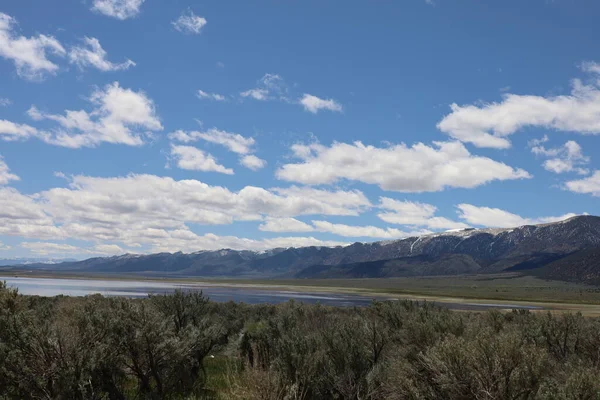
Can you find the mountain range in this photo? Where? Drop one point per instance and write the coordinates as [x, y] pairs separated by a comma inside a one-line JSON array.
[[567, 250]]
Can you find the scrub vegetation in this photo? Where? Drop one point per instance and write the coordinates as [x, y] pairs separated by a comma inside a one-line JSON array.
[[182, 346]]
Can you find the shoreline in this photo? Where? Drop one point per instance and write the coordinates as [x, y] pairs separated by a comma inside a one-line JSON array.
[[536, 305]]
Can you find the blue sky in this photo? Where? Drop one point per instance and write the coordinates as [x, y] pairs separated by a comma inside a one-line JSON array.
[[144, 125]]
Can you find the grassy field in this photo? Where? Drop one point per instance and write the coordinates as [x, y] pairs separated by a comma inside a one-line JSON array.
[[508, 287]]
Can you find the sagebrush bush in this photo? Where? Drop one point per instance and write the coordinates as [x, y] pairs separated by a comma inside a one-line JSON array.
[[157, 348]]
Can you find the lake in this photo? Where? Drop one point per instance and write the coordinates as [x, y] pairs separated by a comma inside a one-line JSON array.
[[221, 293], [129, 288]]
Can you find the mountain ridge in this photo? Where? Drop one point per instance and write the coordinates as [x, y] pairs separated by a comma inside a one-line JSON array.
[[525, 249]]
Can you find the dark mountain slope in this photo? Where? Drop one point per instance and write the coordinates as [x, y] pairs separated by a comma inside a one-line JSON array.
[[451, 264], [580, 266], [525, 248]]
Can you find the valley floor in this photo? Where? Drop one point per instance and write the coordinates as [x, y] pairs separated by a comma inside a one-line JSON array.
[[512, 290]]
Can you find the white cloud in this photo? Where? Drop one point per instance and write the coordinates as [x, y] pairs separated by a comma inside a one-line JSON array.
[[498, 218], [5, 174], [252, 162], [537, 142], [120, 116], [415, 214], [211, 96], [5, 102], [270, 87], [419, 168], [28, 54], [273, 82], [274, 87], [23, 216], [294, 225], [120, 9], [489, 125], [567, 158], [154, 212], [256, 94], [189, 23], [591, 66], [192, 158], [589, 185], [4, 247], [232, 141], [284, 225], [108, 249], [358, 231], [50, 248], [10, 131], [91, 54], [179, 241], [339, 202], [314, 104], [192, 242], [45, 248], [166, 203]]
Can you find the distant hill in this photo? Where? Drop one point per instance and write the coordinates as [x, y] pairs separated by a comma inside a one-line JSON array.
[[566, 250]]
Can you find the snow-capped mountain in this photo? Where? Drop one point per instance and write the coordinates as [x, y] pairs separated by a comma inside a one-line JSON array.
[[541, 249]]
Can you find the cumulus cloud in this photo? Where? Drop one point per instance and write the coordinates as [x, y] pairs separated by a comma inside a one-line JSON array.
[[5, 174], [567, 158], [591, 66], [339, 202], [10, 131], [210, 96], [490, 124], [415, 214], [5, 102], [51, 248], [29, 54], [232, 141], [155, 212], [589, 185], [294, 225], [192, 158], [252, 162], [91, 54], [46, 248], [152, 213], [119, 9], [119, 116], [284, 225], [23, 216], [359, 231], [315, 104], [189, 23], [420, 168], [498, 218]]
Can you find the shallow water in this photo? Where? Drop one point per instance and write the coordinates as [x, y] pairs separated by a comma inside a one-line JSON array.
[[251, 295], [128, 288]]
